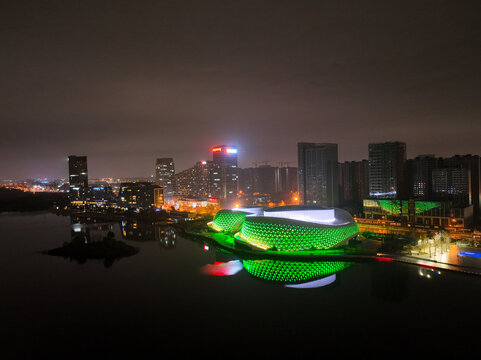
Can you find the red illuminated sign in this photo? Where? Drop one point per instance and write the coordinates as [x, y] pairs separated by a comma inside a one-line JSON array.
[[216, 149]]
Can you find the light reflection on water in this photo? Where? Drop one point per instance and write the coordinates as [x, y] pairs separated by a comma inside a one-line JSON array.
[[301, 275], [147, 302]]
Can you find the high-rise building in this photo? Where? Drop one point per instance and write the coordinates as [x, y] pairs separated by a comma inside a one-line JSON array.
[[386, 170], [318, 174], [354, 182], [473, 164], [203, 172], [225, 172], [195, 182], [164, 176], [184, 183], [267, 179], [419, 176], [77, 176], [453, 184]]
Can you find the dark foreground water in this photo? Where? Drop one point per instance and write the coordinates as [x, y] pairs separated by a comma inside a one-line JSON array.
[[164, 301]]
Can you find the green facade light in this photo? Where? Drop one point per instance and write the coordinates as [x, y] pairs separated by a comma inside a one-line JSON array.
[[423, 206], [394, 207], [292, 271], [290, 235], [228, 221], [289, 228]]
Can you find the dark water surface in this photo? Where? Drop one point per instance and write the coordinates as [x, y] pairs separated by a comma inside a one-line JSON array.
[[159, 302]]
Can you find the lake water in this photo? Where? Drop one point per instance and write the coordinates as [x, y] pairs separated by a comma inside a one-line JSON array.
[[167, 300]]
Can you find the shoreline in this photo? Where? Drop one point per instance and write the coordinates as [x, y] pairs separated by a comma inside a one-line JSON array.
[[339, 254]]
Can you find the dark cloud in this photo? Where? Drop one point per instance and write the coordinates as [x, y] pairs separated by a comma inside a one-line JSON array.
[[125, 82]]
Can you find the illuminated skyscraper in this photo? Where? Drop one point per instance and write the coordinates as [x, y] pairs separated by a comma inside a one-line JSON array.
[[77, 175], [386, 170], [225, 172], [195, 182], [164, 176], [318, 174]]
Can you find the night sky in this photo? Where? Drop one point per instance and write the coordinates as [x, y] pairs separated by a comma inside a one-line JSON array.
[[125, 82]]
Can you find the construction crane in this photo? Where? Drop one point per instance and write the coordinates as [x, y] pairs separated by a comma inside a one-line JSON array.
[[264, 162]]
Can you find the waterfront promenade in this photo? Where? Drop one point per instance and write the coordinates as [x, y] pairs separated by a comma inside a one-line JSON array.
[[452, 260]]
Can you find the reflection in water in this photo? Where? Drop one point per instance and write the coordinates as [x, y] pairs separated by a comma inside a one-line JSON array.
[[293, 274], [296, 272], [223, 268], [314, 284], [89, 231], [93, 241], [428, 272], [165, 236]]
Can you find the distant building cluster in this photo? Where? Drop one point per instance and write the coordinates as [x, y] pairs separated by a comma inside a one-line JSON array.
[[136, 195], [425, 191], [222, 180]]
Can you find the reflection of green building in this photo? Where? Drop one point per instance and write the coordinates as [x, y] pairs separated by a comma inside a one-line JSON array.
[[425, 213], [291, 271]]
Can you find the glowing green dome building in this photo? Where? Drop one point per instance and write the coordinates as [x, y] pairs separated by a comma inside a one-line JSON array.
[[288, 228]]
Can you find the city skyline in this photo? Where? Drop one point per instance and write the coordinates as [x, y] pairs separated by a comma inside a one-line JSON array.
[[279, 178], [125, 85], [208, 157]]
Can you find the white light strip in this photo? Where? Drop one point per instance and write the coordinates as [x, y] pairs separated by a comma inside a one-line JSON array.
[[315, 216], [251, 211]]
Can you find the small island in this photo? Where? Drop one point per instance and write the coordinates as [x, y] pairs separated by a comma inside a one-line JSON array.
[[109, 249]]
